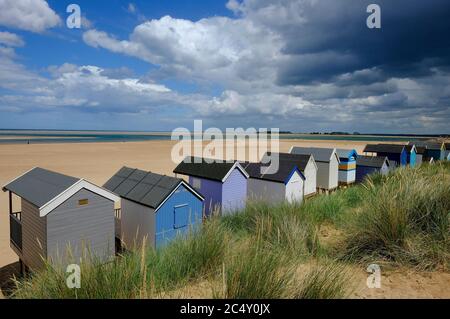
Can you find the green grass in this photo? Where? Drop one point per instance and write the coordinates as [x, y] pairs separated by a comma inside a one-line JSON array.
[[326, 281], [402, 219], [405, 218]]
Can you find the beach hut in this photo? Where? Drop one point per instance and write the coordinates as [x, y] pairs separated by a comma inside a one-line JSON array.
[[286, 184], [154, 208], [304, 162], [411, 154], [347, 166], [60, 220], [435, 150], [447, 151], [223, 184], [420, 152], [327, 162], [366, 165], [396, 153]]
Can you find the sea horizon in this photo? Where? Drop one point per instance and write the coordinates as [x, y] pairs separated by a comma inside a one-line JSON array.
[[45, 136]]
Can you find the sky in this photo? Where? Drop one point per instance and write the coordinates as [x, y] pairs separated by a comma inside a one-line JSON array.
[[154, 65]]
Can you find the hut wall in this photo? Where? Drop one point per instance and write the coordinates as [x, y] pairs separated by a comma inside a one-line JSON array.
[[310, 178], [294, 188], [34, 236], [181, 213], [83, 228], [234, 192], [267, 191], [137, 224], [212, 192]]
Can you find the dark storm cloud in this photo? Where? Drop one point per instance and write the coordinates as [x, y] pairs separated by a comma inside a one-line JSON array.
[[335, 40]]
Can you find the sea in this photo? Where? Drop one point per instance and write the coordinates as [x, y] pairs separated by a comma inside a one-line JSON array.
[[52, 136]]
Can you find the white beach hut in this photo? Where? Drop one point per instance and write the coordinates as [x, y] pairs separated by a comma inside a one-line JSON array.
[[327, 162]]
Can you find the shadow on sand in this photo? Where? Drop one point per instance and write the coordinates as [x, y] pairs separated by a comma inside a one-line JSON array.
[[7, 273]]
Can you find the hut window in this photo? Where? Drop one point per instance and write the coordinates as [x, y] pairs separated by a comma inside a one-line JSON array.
[[196, 183], [83, 202]]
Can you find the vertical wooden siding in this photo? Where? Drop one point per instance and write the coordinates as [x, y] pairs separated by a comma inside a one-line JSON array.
[[234, 192], [166, 227], [34, 236], [81, 228]]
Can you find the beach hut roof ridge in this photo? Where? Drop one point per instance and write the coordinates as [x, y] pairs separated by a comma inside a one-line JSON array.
[[384, 148], [346, 153], [282, 175], [146, 188], [38, 186], [371, 161], [47, 190], [320, 154], [208, 168]]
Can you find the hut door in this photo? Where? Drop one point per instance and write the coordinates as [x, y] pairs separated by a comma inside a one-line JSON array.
[[180, 216]]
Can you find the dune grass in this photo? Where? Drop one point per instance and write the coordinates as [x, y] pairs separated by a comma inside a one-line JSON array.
[[402, 218], [324, 281]]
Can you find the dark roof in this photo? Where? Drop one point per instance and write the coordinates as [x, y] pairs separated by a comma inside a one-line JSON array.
[[203, 168], [39, 186], [409, 147], [320, 154], [299, 160], [447, 146], [420, 147], [371, 161], [434, 146], [146, 188], [284, 172], [384, 148], [429, 145]]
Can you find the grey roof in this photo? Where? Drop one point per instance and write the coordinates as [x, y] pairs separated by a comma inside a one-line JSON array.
[[300, 160], [428, 145], [285, 170], [320, 154], [346, 153], [39, 186], [371, 161], [203, 168], [146, 188], [384, 148]]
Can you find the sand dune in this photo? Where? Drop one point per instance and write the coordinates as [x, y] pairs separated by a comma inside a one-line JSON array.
[[96, 162]]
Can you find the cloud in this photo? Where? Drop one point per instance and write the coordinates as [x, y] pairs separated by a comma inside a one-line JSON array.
[[29, 15], [304, 65], [11, 39], [131, 8]]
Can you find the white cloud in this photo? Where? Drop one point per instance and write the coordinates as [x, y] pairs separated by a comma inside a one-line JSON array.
[[281, 62], [11, 39], [30, 15], [218, 49], [131, 8]]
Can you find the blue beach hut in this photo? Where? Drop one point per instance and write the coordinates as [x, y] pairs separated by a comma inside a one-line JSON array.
[[154, 208]]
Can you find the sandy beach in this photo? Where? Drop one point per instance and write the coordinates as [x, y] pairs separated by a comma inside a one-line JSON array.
[[97, 162]]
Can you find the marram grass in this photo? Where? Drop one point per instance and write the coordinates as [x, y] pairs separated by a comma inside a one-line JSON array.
[[402, 218]]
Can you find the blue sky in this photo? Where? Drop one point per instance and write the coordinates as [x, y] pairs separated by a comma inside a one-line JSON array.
[[298, 65]]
